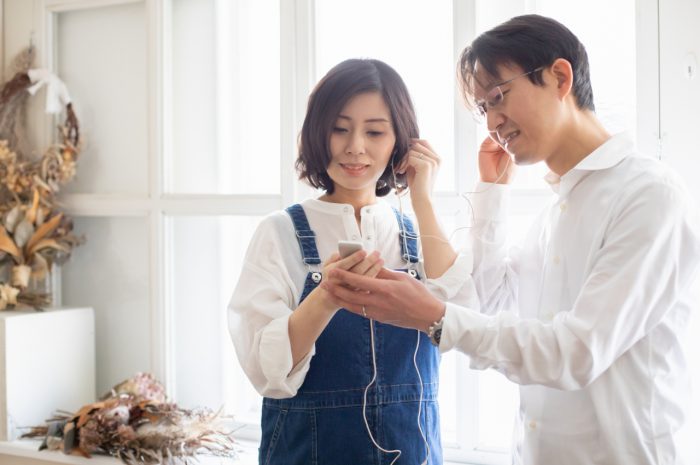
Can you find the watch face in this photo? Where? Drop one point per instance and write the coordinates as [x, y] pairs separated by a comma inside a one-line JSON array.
[[437, 335]]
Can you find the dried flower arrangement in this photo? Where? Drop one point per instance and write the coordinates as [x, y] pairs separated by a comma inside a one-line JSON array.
[[34, 234], [136, 424]]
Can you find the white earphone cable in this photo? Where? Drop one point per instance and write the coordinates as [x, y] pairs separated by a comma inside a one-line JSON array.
[[364, 400]]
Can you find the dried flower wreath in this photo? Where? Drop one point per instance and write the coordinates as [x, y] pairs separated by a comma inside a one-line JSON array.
[[34, 234]]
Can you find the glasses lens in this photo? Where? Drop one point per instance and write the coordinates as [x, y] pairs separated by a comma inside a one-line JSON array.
[[494, 97]]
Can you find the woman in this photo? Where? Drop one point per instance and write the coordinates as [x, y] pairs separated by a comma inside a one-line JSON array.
[[338, 387]]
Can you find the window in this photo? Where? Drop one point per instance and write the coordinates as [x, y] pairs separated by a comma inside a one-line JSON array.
[[222, 142], [224, 92], [238, 95]]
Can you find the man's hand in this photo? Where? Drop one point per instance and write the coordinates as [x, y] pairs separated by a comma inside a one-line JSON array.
[[391, 297], [495, 164]]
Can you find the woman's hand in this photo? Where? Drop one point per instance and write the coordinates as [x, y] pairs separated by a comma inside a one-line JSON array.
[[421, 166], [359, 263], [310, 318], [495, 164]]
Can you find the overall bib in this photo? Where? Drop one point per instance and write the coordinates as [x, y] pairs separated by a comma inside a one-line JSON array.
[[323, 423]]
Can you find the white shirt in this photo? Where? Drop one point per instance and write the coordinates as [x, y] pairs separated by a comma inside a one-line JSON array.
[[602, 290], [272, 281]]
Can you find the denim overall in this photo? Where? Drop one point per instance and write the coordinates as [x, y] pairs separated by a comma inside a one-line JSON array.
[[323, 423]]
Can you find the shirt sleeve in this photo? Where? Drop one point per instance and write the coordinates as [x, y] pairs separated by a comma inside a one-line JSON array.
[[495, 264], [645, 265], [259, 311], [456, 284]]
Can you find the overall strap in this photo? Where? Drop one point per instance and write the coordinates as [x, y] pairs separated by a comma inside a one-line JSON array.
[[305, 236], [408, 239]]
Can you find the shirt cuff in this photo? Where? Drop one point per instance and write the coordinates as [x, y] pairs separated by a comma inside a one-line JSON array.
[[490, 201], [276, 359], [453, 279], [462, 329]]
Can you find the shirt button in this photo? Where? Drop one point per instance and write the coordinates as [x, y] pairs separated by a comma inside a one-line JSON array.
[[369, 238], [532, 425], [369, 210], [346, 209], [556, 259], [562, 206]]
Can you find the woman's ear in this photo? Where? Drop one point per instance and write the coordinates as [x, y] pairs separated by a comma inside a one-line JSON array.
[[564, 75]]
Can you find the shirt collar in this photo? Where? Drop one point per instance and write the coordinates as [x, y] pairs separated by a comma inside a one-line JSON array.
[[340, 208], [609, 154]]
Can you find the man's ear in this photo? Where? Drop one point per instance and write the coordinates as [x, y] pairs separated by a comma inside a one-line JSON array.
[[564, 75]]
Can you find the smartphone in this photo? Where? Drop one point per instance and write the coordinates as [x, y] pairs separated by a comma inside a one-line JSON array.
[[347, 248]]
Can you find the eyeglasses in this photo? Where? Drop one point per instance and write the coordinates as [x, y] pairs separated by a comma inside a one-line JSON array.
[[494, 97]]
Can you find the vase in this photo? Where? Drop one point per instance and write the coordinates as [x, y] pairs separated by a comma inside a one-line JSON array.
[[41, 286], [20, 275], [36, 289]]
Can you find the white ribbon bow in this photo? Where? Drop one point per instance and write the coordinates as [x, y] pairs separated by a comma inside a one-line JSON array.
[[56, 91]]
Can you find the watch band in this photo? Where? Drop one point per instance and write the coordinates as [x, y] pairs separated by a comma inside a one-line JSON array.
[[435, 331]]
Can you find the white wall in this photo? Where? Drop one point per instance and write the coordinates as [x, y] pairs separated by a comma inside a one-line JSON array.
[[680, 92], [100, 48], [679, 44]]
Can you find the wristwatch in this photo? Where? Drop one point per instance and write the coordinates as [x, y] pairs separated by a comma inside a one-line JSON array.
[[435, 332]]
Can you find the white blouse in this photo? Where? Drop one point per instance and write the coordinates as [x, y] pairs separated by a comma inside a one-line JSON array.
[[272, 280]]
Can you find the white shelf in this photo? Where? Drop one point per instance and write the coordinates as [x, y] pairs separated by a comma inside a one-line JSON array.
[[29, 449]]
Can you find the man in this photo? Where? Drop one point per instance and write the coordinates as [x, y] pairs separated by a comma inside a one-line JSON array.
[[600, 290]]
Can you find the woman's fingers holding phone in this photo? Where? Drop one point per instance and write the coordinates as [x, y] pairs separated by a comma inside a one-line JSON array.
[[374, 270], [344, 263], [369, 266]]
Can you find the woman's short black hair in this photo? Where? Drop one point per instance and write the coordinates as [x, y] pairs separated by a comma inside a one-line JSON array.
[[529, 41], [344, 81]]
